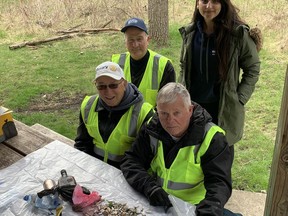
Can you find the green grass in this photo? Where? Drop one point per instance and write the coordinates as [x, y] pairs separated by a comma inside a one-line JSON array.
[[46, 84], [63, 68], [254, 153]]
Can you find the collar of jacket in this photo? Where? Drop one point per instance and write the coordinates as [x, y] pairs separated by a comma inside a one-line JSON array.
[[185, 30]]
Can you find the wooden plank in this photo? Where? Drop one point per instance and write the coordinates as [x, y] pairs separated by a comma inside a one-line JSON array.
[[27, 140], [8, 156], [54, 135], [277, 196]]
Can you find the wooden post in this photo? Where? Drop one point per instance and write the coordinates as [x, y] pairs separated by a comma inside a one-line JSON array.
[[277, 196]]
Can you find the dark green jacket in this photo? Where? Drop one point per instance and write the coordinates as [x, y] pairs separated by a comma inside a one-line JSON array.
[[239, 85]]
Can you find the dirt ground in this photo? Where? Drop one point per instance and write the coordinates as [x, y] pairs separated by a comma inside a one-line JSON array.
[[55, 101]]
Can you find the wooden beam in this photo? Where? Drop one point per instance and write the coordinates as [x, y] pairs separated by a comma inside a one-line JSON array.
[[52, 134], [277, 195], [8, 156]]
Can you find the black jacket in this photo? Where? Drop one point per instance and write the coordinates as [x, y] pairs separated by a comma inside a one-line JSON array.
[[216, 163]]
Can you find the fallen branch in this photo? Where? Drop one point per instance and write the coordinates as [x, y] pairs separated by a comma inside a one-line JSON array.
[[107, 23], [34, 43], [91, 31], [67, 35], [74, 27]]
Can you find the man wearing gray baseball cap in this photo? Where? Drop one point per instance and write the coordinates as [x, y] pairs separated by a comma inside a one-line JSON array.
[[146, 69]]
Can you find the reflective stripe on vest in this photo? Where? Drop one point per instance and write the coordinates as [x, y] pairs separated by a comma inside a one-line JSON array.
[[176, 185], [133, 122], [112, 157], [88, 107], [122, 60]]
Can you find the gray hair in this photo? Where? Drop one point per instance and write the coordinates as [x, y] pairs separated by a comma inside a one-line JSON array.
[[170, 92]]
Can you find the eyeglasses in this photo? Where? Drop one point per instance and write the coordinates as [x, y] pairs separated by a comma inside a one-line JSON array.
[[211, 1], [110, 86]]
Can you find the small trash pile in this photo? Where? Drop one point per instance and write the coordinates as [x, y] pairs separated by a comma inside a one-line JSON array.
[[50, 200], [109, 208]]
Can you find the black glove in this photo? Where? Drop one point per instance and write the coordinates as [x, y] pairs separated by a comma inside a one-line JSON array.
[[208, 207], [66, 192], [159, 197]]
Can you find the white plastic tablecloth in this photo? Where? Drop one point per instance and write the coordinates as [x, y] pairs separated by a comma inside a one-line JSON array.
[[27, 175]]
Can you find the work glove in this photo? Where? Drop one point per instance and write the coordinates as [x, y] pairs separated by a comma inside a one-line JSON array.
[[66, 192], [208, 207], [159, 197]]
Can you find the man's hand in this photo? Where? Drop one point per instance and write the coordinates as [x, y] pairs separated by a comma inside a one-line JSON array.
[[159, 197]]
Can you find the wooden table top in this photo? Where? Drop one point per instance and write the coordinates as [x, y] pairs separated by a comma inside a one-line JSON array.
[[27, 141]]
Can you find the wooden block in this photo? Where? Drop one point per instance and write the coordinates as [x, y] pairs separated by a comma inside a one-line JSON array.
[[50, 133], [28, 139], [8, 156]]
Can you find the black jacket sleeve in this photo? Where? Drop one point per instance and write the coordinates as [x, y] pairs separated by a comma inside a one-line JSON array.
[[169, 75], [83, 141], [136, 162], [216, 166]]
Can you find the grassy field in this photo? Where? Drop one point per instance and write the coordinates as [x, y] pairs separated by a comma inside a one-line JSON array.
[[46, 84]]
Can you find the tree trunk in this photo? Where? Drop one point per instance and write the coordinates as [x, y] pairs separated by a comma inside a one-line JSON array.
[[158, 21]]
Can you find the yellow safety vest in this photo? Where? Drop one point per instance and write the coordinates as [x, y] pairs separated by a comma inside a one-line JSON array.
[[123, 134], [185, 178], [152, 77]]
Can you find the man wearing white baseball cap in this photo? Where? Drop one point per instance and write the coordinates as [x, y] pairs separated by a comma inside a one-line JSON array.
[[146, 69], [110, 121]]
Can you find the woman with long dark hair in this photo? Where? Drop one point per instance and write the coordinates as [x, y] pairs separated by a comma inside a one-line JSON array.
[[220, 64]]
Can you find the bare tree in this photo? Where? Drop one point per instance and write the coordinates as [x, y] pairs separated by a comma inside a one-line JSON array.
[[158, 20]]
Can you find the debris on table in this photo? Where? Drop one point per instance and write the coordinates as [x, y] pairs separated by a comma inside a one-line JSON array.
[[111, 208]]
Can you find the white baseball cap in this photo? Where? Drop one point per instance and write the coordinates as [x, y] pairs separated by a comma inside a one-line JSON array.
[[109, 69]]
